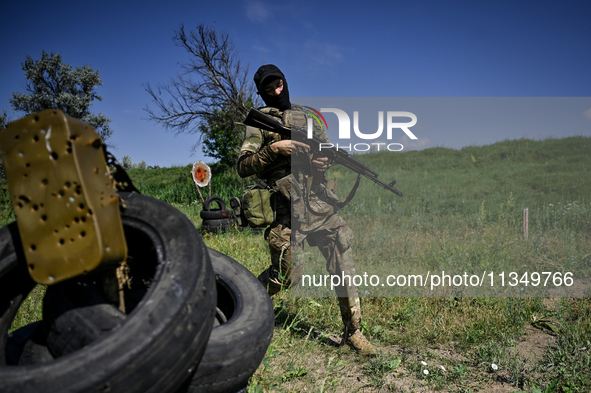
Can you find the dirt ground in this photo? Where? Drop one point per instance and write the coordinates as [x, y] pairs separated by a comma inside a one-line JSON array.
[[352, 377]]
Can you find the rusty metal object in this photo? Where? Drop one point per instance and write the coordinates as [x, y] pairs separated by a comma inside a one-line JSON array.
[[64, 198]]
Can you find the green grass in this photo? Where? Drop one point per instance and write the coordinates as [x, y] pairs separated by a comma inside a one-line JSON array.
[[31, 309], [175, 185], [462, 209]]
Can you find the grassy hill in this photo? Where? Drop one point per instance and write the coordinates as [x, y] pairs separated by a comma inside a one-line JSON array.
[[462, 210]]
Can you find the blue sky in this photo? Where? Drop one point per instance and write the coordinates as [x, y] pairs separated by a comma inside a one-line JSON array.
[[326, 49]]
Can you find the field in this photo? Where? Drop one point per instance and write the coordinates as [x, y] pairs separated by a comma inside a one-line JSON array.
[[462, 211]]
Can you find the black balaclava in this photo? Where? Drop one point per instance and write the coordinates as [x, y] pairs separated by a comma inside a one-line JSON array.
[[265, 75]]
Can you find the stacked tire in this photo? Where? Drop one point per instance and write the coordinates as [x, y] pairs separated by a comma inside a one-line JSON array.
[[242, 330], [216, 220], [195, 319]]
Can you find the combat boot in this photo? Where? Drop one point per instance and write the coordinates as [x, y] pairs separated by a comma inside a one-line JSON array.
[[358, 341]]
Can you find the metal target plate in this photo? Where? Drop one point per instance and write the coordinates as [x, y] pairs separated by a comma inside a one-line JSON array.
[[64, 199]]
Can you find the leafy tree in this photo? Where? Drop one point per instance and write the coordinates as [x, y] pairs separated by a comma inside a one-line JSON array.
[[3, 119], [215, 102], [222, 138], [126, 162], [52, 84]]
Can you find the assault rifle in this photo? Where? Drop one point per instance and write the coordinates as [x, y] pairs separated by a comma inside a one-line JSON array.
[[260, 120]]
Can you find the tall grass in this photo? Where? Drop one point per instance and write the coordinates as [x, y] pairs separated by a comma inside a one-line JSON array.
[[463, 212], [175, 185]]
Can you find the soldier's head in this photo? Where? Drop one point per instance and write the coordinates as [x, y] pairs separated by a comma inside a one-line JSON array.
[[272, 87]]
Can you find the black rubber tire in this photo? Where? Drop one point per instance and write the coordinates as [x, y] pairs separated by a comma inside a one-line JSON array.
[[237, 347], [214, 198], [27, 345], [217, 226], [74, 316], [216, 214], [161, 341]]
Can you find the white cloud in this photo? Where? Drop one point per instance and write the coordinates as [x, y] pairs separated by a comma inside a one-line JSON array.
[[260, 48], [257, 12], [323, 53], [587, 113], [414, 144]]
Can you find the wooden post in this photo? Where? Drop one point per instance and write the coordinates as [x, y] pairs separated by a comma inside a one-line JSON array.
[[525, 223], [199, 191]]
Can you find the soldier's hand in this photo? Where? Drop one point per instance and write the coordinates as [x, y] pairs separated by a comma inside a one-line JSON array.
[[320, 162], [286, 146]]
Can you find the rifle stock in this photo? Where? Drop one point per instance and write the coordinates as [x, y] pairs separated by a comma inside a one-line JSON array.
[[260, 120]]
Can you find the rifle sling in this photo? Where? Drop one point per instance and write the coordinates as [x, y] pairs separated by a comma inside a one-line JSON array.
[[337, 205]]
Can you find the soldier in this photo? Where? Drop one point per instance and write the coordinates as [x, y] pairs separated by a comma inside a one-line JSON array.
[[265, 154]]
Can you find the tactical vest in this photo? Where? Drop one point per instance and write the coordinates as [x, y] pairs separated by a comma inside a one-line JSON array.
[[294, 117]]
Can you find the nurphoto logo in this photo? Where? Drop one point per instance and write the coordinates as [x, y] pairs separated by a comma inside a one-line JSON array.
[[392, 123]]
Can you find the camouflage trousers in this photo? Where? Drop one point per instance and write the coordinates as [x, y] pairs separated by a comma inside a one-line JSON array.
[[333, 237]]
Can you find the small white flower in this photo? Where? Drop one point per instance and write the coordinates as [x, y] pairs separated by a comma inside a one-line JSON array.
[[443, 368], [426, 372], [423, 363], [494, 367]]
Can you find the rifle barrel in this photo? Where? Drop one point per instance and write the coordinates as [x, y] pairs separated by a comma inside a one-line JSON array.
[[260, 120]]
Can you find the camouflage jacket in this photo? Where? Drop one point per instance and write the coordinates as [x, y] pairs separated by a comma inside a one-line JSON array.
[[256, 155], [312, 200]]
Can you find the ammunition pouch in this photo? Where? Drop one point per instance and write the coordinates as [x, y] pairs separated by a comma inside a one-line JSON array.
[[258, 202]]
